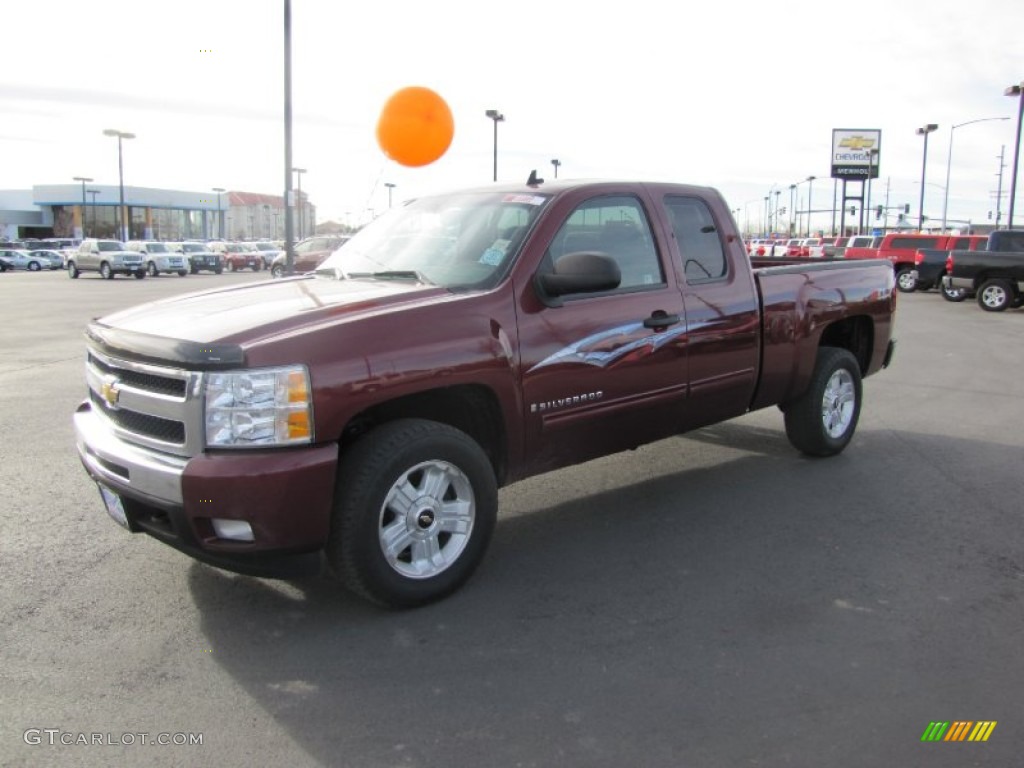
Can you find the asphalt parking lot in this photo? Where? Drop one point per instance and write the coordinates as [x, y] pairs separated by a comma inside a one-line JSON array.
[[712, 600]]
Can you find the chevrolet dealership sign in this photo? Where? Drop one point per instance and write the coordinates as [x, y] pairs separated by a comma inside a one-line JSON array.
[[855, 153]]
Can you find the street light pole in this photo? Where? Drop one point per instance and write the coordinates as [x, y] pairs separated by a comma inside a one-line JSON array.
[[298, 172], [121, 216], [555, 163], [390, 187], [83, 179], [1018, 91], [872, 154], [220, 213], [92, 204], [949, 160], [924, 131], [497, 117], [792, 209], [810, 207]]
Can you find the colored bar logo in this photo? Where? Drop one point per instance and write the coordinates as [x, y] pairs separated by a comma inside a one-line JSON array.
[[959, 730]]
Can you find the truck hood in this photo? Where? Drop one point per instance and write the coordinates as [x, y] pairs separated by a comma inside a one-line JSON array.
[[248, 313]]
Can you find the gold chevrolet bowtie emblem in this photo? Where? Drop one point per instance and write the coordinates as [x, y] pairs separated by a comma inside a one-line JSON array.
[[110, 391], [857, 142]]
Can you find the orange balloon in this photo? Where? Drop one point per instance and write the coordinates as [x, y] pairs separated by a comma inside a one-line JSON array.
[[415, 127]]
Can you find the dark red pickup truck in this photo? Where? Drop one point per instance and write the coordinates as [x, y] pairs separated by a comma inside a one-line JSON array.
[[365, 415]]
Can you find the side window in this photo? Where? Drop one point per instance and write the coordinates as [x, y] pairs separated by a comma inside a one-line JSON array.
[[700, 244], [616, 227]]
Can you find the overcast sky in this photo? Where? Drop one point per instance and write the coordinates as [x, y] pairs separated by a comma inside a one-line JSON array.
[[742, 96]]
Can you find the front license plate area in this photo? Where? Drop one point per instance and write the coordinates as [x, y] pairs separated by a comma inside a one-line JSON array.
[[114, 506]]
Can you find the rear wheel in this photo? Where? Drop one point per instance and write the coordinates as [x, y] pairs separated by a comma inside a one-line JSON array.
[[73, 272], [153, 271], [995, 295], [277, 271], [182, 273], [415, 507], [34, 266], [905, 281], [139, 274], [823, 420], [953, 294]]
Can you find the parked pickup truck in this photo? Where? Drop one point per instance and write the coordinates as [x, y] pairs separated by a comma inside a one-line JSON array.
[[108, 257], [995, 275], [365, 415], [930, 266], [899, 249]]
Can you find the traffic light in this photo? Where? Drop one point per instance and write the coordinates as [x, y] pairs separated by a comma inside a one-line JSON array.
[[878, 211]]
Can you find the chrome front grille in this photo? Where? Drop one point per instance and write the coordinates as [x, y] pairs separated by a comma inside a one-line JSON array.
[[153, 406]]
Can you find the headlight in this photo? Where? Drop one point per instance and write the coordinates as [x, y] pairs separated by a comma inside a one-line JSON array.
[[268, 406]]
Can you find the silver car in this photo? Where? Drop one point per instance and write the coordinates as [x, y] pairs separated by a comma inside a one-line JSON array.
[[21, 259], [108, 257], [55, 258]]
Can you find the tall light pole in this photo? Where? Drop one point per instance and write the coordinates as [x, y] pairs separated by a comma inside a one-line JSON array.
[[792, 209], [923, 131], [390, 187], [220, 212], [872, 154], [1018, 91], [810, 207], [298, 172], [497, 117], [121, 216], [92, 204], [83, 179], [555, 163], [949, 160], [777, 193]]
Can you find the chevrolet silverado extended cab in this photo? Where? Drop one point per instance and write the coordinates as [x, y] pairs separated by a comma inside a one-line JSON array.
[[995, 274], [365, 415]]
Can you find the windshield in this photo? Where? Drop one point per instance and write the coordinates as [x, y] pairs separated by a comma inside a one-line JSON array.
[[110, 245], [465, 240], [157, 248]]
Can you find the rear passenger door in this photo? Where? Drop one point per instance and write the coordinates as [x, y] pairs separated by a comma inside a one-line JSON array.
[[723, 319]]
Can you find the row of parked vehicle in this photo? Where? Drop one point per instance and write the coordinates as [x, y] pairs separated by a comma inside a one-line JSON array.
[[140, 258], [994, 275]]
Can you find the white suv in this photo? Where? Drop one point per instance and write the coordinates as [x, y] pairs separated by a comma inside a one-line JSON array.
[[159, 257]]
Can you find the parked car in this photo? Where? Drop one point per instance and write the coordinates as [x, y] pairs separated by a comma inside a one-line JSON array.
[[268, 252], [835, 249], [309, 254], [238, 256], [55, 258], [108, 257], [159, 257], [17, 258], [4, 263], [200, 257]]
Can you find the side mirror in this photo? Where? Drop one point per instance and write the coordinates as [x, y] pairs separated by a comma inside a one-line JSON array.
[[580, 272]]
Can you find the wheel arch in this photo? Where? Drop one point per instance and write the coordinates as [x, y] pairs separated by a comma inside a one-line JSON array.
[[470, 408], [856, 334]]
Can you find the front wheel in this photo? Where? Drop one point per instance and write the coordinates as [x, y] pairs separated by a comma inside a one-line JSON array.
[[73, 271], [106, 272], [182, 273], [34, 266], [995, 295], [822, 421], [905, 281], [153, 271], [415, 507], [277, 271]]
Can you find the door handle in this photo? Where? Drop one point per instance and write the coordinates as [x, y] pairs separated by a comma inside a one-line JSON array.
[[660, 319]]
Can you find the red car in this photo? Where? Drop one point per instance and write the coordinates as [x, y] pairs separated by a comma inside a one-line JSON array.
[[238, 256]]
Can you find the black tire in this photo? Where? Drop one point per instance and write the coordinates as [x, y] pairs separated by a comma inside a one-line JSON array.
[[219, 270], [822, 421], [429, 562], [956, 295], [905, 282], [34, 266], [277, 271], [193, 270], [139, 274], [106, 272], [256, 267], [182, 273], [152, 270], [995, 295], [73, 272]]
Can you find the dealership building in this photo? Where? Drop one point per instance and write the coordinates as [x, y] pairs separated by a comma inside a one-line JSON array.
[[91, 210]]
